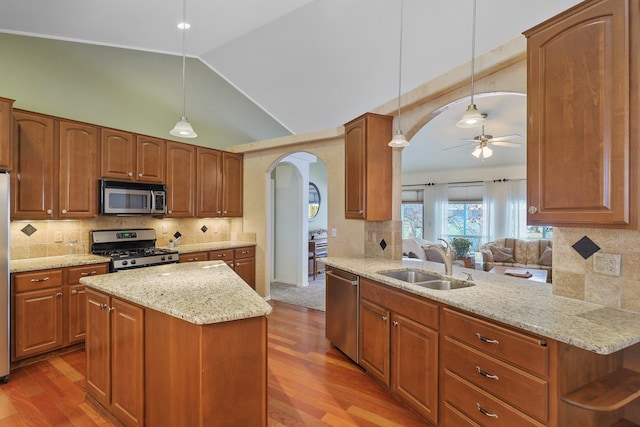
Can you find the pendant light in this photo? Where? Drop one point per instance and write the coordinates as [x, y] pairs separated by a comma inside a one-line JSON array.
[[399, 140], [472, 117], [183, 128]]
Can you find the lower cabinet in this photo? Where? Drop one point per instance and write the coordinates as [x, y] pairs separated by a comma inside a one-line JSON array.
[[115, 356], [242, 260], [48, 309], [399, 345]]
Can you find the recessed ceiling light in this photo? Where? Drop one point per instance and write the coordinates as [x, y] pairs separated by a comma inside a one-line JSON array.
[[184, 25]]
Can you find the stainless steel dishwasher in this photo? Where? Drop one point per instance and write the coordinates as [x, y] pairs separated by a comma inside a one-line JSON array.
[[342, 311]]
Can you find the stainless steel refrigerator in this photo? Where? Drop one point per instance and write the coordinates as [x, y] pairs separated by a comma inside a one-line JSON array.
[[4, 277]]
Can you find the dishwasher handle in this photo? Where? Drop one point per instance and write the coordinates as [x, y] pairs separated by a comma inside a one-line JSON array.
[[351, 279]]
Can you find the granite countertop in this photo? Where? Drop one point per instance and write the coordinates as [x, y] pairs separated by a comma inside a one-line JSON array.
[[198, 292], [522, 303], [211, 246], [44, 263]]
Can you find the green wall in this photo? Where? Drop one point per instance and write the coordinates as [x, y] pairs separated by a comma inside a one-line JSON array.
[[127, 89]]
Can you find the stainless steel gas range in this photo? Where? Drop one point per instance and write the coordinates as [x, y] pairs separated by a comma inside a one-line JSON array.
[[133, 248]]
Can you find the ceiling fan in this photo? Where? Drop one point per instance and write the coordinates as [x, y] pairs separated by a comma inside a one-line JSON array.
[[482, 142]]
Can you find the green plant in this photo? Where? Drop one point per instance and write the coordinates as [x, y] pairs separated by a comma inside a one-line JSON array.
[[461, 246]]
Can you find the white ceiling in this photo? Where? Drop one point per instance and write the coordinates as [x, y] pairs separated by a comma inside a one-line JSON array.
[[312, 64]]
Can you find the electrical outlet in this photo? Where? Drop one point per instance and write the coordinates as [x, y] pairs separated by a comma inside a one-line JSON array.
[[165, 228], [334, 232], [58, 236], [608, 264]]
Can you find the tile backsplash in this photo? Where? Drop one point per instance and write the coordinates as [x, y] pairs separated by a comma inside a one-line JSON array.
[[52, 238], [574, 276]]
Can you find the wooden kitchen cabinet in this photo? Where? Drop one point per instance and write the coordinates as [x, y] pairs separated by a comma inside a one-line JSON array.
[[129, 157], [77, 299], [6, 132], [232, 170], [193, 257], [583, 101], [399, 345], [219, 176], [181, 180], [244, 264], [368, 168], [115, 356]]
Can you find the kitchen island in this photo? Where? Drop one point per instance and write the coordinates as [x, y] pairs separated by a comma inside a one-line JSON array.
[[178, 344], [503, 348]]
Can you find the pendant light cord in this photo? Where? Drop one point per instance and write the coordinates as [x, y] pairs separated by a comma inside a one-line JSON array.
[[473, 51], [400, 61], [184, 54]]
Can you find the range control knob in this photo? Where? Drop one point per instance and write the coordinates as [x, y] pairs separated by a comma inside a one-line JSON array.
[[133, 261], [125, 262]]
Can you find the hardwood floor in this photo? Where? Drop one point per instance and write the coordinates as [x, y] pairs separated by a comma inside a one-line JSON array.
[[309, 384]]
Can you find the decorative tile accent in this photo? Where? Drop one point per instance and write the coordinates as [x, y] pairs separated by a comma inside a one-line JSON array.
[[383, 244], [29, 230], [585, 247], [178, 235], [204, 228]]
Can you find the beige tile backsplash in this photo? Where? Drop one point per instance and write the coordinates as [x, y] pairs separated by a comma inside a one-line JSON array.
[[54, 238], [391, 232], [574, 276]]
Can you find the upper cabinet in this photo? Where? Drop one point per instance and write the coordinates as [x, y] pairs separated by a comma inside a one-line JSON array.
[[232, 171], [129, 157], [181, 179], [6, 125], [583, 113], [368, 168], [55, 165], [219, 187]]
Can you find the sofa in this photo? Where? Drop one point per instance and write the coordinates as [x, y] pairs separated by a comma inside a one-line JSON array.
[[518, 253], [414, 248]]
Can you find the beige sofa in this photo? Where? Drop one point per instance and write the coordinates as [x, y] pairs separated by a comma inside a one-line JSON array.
[[518, 253]]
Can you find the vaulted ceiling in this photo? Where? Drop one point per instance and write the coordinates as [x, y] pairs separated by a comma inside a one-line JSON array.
[[309, 64]]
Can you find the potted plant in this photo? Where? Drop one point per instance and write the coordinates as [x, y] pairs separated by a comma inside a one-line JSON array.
[[461, 247]]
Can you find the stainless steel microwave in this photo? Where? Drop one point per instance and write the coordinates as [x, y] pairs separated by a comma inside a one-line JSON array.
[[132, 198]]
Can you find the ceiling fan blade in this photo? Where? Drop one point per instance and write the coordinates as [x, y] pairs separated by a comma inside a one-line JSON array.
[[472, 140], [505, 144], [458, 146], [506, 137]]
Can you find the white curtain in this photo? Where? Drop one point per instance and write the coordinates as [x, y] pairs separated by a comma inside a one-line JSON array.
[[504, 209], [435, 226], [516, 224], [491, 219]]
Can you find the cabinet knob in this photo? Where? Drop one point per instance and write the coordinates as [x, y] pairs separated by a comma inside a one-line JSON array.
[[130, 174], [219, 212], [74, 292], [141, 175], [169, 212], [59, 294], [532, 210], [225, 211], [64, 211], [49, 211], [395, 323], [384, 318], [110, 309]]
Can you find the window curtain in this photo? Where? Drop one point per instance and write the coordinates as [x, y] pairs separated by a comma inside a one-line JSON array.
[[504, 209], [435, 220], [516, 224]]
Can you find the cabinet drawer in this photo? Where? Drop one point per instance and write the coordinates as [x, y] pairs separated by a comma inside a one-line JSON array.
[[525, 351], [193, 257], [37, 280], [453, 417], [221, 255], [77, 273], [248, 252], [416, 308], [482, 407], [520, 389]]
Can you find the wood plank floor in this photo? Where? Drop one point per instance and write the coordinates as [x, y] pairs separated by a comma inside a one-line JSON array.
[[310, 384]]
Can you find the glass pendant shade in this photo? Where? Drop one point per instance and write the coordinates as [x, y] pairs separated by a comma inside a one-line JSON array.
[[399, 140], [471, 118], [484, 152], [183, 129]]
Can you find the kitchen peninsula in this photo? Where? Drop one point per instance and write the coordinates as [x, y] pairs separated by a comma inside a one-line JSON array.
[[177, 344]]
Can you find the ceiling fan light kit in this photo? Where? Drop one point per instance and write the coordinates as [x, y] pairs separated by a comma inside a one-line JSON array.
[[399, 140], [183, 128]]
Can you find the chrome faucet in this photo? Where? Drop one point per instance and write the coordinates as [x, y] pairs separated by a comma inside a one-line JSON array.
[[446, 256]]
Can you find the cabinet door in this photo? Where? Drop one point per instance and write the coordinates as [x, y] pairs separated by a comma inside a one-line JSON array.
[[38, 321], [117, 151], [98, 347], [209, 200], [246, 269], [32, 180], [6, 125], [127, 362], [151, 156], [581, 143], [414, 365], [78, 191], [355, 174], [374, 341], [181, 179], [232, 184], [77, 320]]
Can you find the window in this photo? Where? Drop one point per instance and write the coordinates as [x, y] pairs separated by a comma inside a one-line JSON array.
[[540, 232], [464, 219], [412, 220]]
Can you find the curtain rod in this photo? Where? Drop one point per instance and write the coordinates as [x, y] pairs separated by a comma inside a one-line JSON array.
[[429, 184]]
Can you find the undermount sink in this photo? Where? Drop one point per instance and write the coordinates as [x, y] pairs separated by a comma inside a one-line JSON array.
[[425, 280]]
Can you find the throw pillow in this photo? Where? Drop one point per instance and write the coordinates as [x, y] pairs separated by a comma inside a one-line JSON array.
[[432, 254], [546, 257], [502, 254]]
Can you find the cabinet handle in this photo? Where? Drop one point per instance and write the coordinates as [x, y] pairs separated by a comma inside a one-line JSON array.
[[486, 374], [225, 211], [42, 279], [49, 211], [485, 412], [222, 255], [384, 318], [102, 305], [219, 212], [532, 210], [395, 323], [140, 175], [88, 273], [169, 212], [59, 294], [130, 174], [110, 309], [487, 340], [245, 252], [74, 292], [192, 259], [64, 211]]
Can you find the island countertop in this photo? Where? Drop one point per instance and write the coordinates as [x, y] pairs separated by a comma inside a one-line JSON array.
[[198, 292], [522, 303]]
